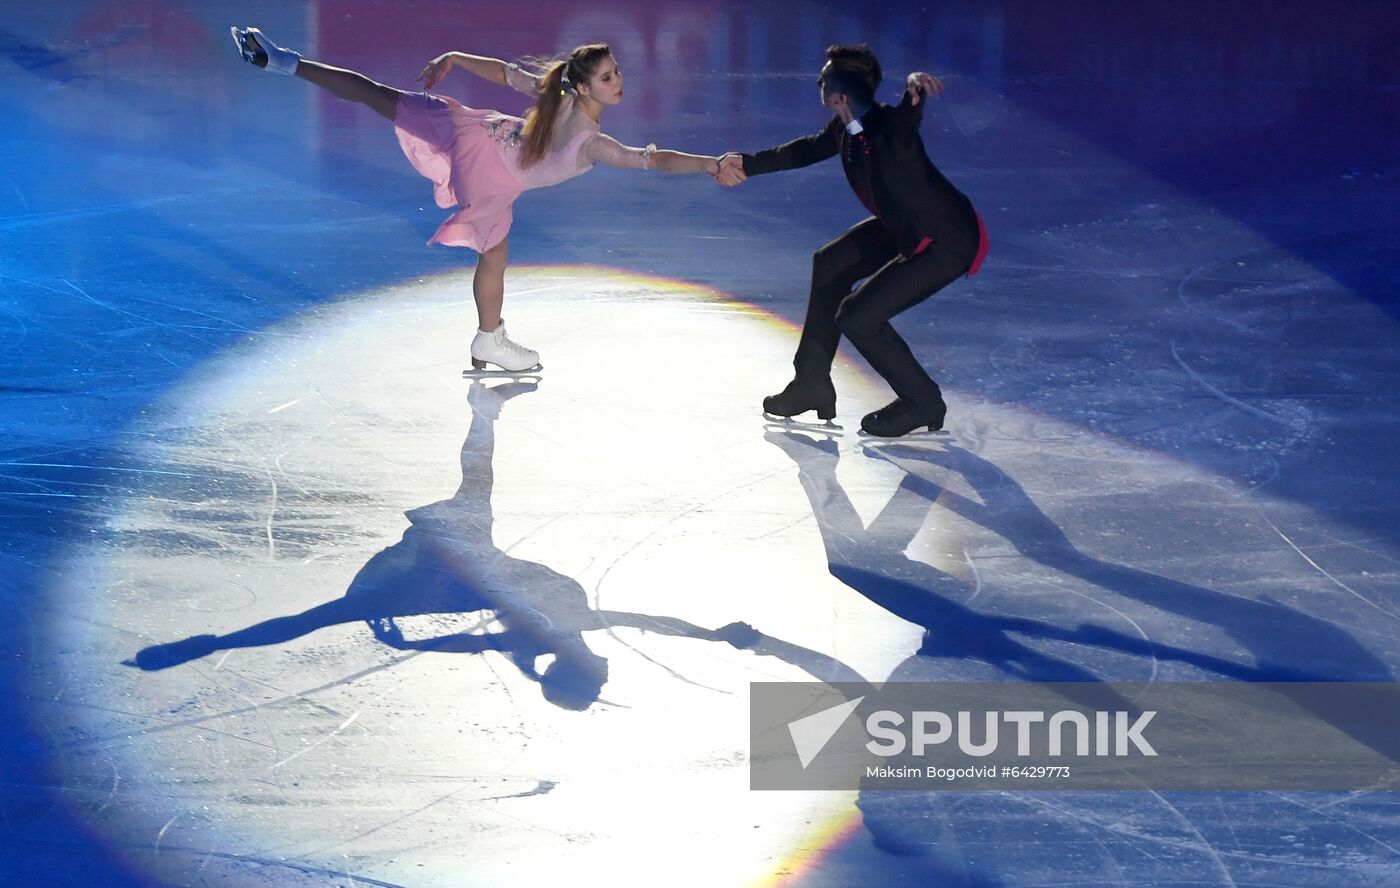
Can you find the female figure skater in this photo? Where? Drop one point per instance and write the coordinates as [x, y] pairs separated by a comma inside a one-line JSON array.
[[481, 160]]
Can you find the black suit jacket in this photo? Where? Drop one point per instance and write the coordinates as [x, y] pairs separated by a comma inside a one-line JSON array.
[[912, 198]]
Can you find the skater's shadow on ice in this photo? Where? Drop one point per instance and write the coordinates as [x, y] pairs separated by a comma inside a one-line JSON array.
[[447, 564], [872, 561], [1275, 637], [962, 643]]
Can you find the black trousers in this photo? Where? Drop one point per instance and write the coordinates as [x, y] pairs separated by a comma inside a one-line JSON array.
[[893, 284]]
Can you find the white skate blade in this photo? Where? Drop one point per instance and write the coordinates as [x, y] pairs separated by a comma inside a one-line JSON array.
[[535, 372], [917, 435], [242, 50], [774, 423], [830, 433]]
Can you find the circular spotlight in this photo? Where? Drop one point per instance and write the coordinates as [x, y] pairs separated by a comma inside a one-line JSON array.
[[359, 615]]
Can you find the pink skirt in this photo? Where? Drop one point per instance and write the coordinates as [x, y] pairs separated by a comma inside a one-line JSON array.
[[449, 143]]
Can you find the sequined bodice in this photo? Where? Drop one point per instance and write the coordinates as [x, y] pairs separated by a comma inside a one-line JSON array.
[[560, 163]]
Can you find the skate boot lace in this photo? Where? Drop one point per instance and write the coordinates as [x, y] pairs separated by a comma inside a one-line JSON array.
[[515, 349]]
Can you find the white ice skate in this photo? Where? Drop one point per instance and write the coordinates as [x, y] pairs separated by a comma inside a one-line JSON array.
[[258, 50], [512, 359]]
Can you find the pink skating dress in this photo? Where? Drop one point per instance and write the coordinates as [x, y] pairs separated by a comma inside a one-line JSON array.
[[472, 156]]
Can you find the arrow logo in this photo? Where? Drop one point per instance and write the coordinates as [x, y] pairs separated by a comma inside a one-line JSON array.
[[811, 733]]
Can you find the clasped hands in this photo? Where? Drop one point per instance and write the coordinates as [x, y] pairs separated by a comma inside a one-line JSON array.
[[730, 171]]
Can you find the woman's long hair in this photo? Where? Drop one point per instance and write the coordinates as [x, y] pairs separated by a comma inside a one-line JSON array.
[[539, 123]]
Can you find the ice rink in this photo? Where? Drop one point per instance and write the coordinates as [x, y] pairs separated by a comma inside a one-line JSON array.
[[290, 602]]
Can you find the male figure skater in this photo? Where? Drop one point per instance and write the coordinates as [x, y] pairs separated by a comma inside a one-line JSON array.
[[923, 235]]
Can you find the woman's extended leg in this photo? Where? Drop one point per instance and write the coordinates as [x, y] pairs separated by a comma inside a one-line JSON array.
[[349, 85]]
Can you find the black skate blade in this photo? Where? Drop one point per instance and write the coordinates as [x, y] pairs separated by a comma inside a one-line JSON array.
[[788, 424], [533, 373]]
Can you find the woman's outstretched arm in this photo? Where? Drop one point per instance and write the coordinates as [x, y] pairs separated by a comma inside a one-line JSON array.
[[603, 148], [485, 67], [669, 161]]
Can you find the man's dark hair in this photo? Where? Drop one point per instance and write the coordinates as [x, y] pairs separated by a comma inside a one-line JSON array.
[[860, 66]]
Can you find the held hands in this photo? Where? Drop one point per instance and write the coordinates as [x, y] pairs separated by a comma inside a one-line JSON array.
[[730, 171], [920, 85], [437, 69]]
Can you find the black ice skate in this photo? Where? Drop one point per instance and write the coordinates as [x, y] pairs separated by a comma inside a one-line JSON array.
[[799, 397], [900, 418]]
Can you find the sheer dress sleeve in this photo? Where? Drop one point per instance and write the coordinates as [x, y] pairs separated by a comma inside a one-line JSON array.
[[520, 80], [602, 148]]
